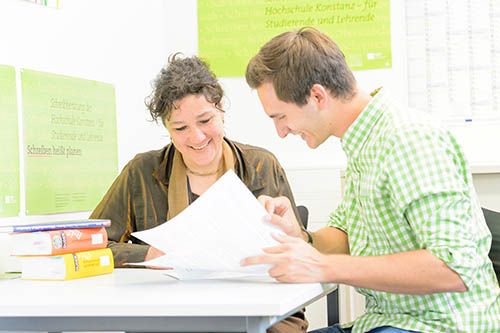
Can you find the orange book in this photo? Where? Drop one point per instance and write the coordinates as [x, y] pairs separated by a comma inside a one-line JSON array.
[[58, 241], [68, 266]]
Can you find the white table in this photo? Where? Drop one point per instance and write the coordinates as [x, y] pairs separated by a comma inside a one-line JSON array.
[[138, 300]]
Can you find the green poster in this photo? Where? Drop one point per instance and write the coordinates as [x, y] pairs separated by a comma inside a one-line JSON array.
[[70, 146], [230, 32], [9, 156]]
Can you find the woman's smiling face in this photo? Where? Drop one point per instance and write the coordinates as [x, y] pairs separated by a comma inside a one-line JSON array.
[[196, 128]]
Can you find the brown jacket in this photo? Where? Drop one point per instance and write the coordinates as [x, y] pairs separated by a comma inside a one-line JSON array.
[[137, 201]]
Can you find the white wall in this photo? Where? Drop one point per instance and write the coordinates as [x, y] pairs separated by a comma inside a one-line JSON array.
[[487, 186], [122, 42], [126, 42]]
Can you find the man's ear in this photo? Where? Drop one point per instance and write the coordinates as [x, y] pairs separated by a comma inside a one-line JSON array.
[[319, 95]]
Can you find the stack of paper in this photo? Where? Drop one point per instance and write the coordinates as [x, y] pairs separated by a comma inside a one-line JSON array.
[[211, 237]]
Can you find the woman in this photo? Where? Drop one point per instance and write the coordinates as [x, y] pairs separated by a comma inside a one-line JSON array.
[[157, 185]]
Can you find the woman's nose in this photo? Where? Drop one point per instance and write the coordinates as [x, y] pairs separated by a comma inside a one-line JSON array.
[[197, 135]]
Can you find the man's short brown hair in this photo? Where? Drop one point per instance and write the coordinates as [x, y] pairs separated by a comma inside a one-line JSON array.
[[296, 60]]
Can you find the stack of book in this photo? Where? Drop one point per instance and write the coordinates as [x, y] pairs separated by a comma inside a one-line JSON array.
[[62, 250]]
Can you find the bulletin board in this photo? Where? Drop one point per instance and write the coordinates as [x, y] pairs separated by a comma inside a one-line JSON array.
[[231, 32], [9, 156], [70, 147]]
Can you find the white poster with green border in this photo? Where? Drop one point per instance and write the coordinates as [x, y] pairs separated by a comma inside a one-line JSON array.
[[230, 32], [70, 143], [9, 137]]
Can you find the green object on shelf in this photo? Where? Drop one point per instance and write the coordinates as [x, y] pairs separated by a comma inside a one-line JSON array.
[[10, 275]]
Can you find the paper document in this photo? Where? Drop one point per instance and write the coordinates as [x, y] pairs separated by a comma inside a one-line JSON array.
[[211, 237]]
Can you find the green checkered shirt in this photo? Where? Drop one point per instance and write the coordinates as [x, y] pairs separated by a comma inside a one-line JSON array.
[[409, 187]]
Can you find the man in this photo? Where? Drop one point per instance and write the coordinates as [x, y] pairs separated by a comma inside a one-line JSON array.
[[409, 233]]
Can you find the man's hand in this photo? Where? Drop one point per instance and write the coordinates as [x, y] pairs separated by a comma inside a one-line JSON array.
[[282, 214], [294, 260]]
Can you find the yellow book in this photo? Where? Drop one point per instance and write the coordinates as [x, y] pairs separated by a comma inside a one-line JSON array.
[[68, 266]]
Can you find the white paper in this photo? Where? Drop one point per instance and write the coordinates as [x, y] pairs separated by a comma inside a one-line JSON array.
[[211, 237]]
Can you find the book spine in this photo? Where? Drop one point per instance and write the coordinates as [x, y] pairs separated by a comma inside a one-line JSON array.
[[68, 266], [57, 242], [88, 263], [62, 225], [78, 240]]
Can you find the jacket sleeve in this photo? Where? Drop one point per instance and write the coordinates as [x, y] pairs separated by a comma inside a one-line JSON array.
[[284, 188], [117, 205]]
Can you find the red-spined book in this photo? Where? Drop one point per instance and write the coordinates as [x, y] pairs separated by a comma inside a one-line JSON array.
[[55, 242]]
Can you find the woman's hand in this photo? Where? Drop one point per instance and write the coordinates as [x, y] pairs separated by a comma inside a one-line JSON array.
[[153, 253], [282, 214]]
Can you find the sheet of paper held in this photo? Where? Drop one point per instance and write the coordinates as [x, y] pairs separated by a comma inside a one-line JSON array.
[[209, 238]]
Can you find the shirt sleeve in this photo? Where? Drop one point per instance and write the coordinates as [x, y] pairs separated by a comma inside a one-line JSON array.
[[430, 187], [337, 218]]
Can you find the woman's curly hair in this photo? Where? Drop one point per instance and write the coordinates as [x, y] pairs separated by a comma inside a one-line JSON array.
[[180, 78]]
